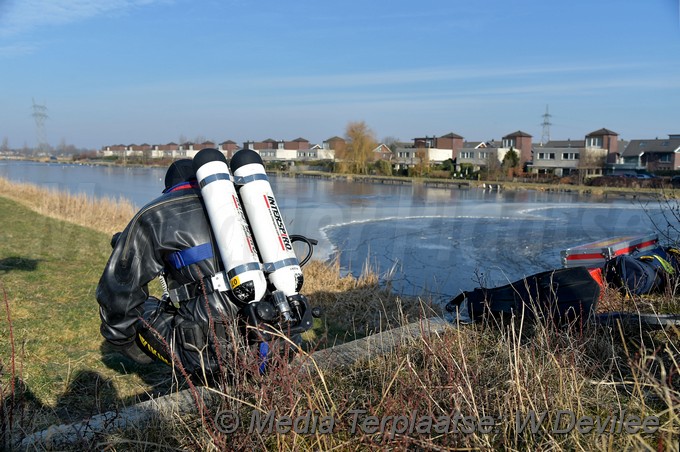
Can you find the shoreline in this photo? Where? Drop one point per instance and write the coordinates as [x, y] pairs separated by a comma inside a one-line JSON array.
[[636, 193]]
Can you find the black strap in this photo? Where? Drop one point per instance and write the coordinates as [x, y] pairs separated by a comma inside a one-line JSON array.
[[191, 290]]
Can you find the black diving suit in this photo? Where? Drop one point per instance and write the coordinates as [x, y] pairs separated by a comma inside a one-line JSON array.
[[172, 236]]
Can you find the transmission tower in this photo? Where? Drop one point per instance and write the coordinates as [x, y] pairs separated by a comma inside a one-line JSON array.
[[545, 137], [39, 116]]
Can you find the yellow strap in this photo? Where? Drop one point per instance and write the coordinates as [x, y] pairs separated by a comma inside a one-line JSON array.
[[664, 263]]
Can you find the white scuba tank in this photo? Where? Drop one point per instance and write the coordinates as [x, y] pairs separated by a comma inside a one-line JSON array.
[[233, 236], [281, 265]]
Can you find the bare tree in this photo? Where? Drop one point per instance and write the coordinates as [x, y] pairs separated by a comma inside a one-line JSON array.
[[391, 142], [492, 166], [422, 166], [360, 143], [589, 161], [61, 147]]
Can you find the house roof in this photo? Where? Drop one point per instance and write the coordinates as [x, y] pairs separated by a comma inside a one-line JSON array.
[[471, 144], [403, 145], [479, 144], [564, 144], [300, 139], [228, 142], [517, 134], [451, 135], [335, 138], [602, 132], [657, 146]]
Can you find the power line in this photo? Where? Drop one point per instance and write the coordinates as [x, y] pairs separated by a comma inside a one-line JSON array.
[[545, 136], [40, 116]]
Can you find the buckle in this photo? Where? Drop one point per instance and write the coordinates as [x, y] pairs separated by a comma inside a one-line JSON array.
[[218, 282], [180, 294]]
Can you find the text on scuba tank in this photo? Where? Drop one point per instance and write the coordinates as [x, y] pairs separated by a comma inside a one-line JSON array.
[[278, 221], [244, 225]]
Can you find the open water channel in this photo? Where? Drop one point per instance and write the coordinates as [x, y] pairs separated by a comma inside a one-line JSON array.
[[429, 240]]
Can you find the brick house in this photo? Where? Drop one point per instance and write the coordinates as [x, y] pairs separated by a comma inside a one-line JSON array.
[[271, 149], [169, 150], [191, 149], [652, 155], [133, 151], [450, 141], [382, 152], [603, 140], [565, 157], [228, 148], [521, 143], [335, 143], [558, 157], [114, 150], [477, 154], [433, 149], [297, 144]]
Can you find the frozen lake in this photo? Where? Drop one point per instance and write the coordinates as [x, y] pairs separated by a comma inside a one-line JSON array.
[[437, 240]]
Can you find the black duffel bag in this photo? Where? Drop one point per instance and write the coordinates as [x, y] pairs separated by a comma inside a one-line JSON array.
[[562, 295]]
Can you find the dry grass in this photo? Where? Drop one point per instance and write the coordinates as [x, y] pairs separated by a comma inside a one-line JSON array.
[[504, 375], [355, 307], [104, 215]]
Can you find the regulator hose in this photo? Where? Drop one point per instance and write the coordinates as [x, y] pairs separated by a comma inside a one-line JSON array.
[[310, 243]]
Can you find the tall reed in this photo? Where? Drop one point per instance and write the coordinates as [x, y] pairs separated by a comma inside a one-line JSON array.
[[534, 386], [107, 215]]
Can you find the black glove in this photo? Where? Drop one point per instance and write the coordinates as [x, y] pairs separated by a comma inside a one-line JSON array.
[[132, 351]]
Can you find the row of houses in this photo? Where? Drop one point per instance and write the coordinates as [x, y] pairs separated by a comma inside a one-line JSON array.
[[599, 152], [297, 149]]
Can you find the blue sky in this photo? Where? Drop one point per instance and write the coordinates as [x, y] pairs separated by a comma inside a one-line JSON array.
[[155, 71]]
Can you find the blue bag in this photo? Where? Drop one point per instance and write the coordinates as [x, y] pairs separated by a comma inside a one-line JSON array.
[[641, 274]]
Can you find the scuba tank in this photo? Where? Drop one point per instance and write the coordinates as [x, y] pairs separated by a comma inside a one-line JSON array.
[[232, 234], [271, 298], [281, 265]]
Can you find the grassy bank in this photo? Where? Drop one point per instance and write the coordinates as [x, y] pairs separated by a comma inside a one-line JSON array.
[[49, 268], [53, 248]]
